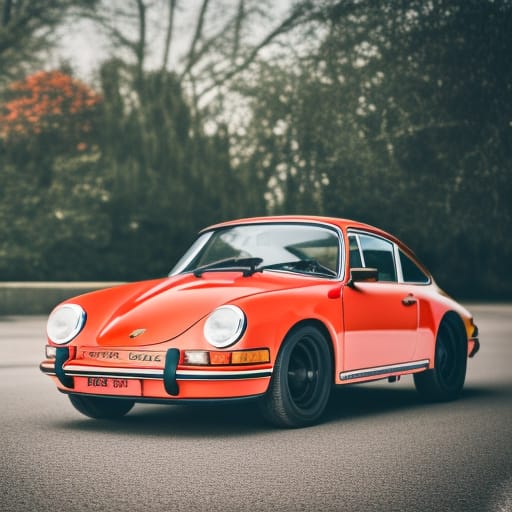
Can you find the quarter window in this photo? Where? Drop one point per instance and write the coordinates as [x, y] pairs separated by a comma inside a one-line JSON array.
[[411, 272], [378, 253]]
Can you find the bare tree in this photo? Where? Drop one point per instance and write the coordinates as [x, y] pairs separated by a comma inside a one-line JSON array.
[[223, 41]]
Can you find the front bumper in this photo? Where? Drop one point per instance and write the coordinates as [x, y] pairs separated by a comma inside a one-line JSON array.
[[169, 380]]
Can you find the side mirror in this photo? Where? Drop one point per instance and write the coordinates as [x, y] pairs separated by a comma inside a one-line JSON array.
[[363, 275]]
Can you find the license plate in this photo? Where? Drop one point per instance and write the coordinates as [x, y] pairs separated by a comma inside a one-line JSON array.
[[108, 386]]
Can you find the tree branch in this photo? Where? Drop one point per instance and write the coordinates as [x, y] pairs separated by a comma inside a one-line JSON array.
[[141, 43], [285, 26], [114, 32], [197, 35], [238, 27], [168, 37], [6, 14]]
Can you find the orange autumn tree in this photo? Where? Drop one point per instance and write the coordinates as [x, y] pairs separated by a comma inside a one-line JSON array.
[[49, 103], [52, 189]]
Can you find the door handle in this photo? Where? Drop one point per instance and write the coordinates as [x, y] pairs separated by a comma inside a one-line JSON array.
[[409, 300]]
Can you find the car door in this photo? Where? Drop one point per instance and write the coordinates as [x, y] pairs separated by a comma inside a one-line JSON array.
[[380, 318]]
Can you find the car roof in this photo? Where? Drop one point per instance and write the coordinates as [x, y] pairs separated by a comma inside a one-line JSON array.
[[343, 224]]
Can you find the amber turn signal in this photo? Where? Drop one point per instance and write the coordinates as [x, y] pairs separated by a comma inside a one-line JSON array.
[[217, 358], [250, 356]]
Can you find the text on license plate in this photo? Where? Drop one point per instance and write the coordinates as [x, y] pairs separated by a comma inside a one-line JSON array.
[[113, 386], [104, 382]]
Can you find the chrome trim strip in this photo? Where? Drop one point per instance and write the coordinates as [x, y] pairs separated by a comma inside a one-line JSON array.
[[47, 369], [382, 370], [156, 374], [398, 264], [103, 371], [220, 375]]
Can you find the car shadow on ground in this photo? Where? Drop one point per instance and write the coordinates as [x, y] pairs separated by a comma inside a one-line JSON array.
[[347, 403], [363, 401]]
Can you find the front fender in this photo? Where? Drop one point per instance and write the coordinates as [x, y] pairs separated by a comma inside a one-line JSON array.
[[271, 316]]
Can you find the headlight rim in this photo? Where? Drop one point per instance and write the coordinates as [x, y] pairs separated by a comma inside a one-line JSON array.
[[238, 332], [78, 325]]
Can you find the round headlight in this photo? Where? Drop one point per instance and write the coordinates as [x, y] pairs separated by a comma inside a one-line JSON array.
[[224, 326], [64, 323]]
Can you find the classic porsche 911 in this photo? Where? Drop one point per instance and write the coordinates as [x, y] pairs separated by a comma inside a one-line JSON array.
[[276, 309]]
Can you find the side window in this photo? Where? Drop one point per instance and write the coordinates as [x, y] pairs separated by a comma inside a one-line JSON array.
[[411, 272], [378, 253], [354, 254]]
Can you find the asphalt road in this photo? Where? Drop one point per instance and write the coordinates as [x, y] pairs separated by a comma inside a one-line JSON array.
[[378, 447]]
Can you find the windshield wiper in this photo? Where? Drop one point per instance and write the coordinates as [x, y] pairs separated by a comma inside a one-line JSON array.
[[246, 265], [309, 266]]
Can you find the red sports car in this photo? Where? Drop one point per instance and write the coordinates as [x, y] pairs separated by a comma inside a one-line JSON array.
[[276, 309]]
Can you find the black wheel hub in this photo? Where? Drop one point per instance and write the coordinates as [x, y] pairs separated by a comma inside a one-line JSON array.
[[447, 356], [303, 370]]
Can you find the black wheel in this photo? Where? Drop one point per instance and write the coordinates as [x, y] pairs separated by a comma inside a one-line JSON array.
[[445, 381], [301, 381], [100, 407]]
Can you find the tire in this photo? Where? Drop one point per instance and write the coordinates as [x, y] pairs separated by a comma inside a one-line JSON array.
[[445, 381], [101, 408], [301, 381]]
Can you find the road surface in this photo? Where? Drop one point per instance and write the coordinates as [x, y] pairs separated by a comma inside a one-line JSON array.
[[378, 448]]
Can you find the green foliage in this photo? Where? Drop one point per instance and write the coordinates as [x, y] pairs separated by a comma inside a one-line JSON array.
[[49, 232], [399, 116], [128, 201], [51, 192], [163, 174]]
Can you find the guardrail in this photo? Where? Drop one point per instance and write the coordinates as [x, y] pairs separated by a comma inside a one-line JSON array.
[[39, 298]]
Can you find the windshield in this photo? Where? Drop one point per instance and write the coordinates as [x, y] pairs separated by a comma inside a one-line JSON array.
[[301, 248]]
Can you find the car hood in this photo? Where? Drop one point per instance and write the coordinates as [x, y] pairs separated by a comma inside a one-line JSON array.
[[166, 308]]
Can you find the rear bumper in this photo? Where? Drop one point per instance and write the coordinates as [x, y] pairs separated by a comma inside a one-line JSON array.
[[172, 382], [473, 341], [473, 346]]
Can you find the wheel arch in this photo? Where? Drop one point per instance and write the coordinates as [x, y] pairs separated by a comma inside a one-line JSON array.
[[454, 319], [299, 391], [322, 328], [445, 377]]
